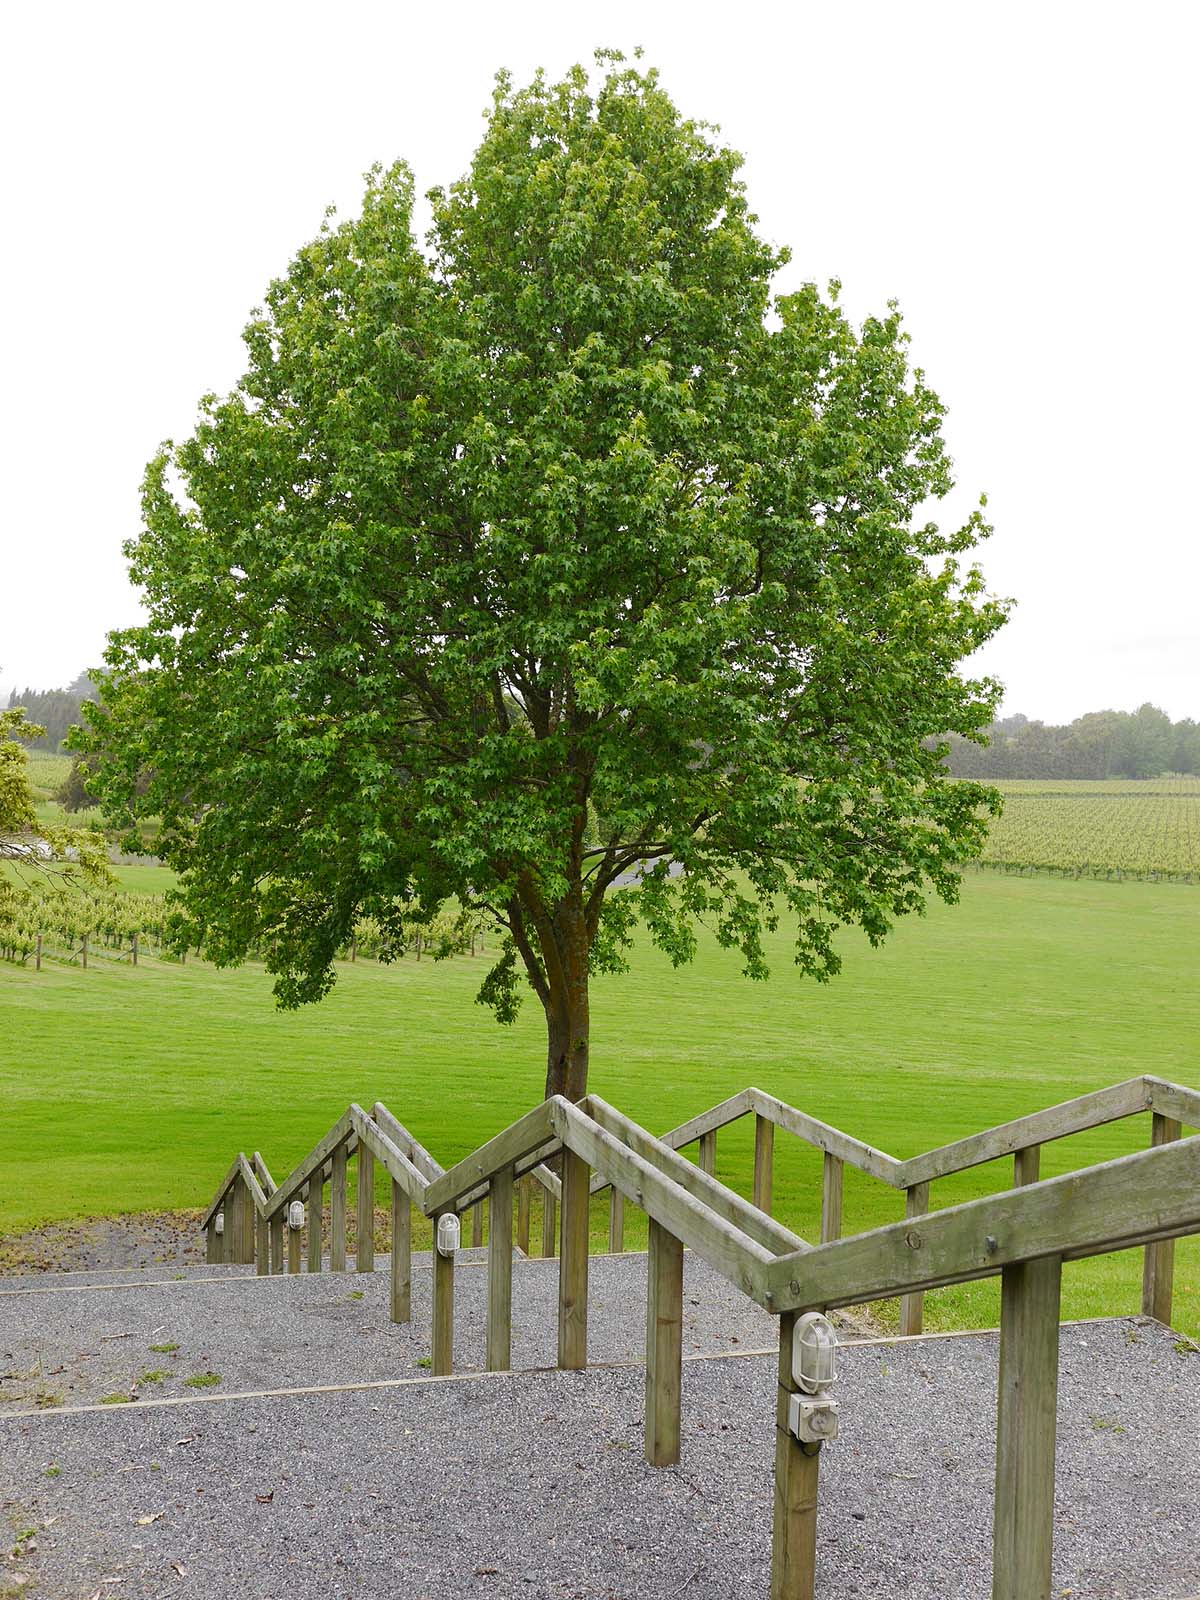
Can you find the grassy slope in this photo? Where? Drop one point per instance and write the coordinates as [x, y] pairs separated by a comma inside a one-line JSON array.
[[131, 1089]]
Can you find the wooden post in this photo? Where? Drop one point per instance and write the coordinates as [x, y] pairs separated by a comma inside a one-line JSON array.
[[1158, 1260], [549, 1222], [832, 1175], [616, 1219], [664, 1345], [524, 1186], [477, 1225], [764, 1162], [232, 1209], [573, 1263], [262, 1247], [401, 1276], [212, 1243], [249, 1225], [1026, 1165], [364, 1251], [708, 1153], [443, 1310], [912, 1306], [293, 1249], [277, 1222], [797, 1466], [337, 1210], [1023, 1533], [499, 1255], [316, 1216]]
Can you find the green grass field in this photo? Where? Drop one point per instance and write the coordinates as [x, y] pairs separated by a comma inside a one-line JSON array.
[[131, 1089]]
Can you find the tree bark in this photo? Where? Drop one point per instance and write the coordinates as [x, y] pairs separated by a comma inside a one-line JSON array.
[[567, 1041]]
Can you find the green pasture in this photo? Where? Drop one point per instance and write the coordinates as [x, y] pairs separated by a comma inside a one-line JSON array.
[[127, 1089]]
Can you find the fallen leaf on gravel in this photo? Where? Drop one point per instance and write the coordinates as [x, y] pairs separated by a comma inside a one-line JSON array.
[[180, 1568], [486, 1572], [265, 1499], [188, 1440], [155, 1516]]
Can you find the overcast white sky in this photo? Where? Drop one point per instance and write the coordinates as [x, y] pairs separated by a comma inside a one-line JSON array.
[[1022, 178]]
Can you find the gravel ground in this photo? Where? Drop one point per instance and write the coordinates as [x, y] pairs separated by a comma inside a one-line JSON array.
[[146, 1239], [534, 1485], [327, 1328]]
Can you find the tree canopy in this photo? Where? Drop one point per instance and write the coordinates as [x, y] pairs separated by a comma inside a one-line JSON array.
[[559, 550]]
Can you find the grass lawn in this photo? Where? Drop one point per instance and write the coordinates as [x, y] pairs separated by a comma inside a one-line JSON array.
[[126, 1089]]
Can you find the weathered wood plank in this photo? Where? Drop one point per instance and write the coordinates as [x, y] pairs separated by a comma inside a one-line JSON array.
[[1039, 1127], [394, 1161], [364, 1210], [1174, 1100], [524, 1196], [443, 1311], [413, 1150], [524, 1136], [277, 1256], [706, 1156], [1134, 1200], [616, 1221], [912, 1306], [718, 1116], [549, 1223], [664, 1345], [263, 1174], [477, 1224], [219, 1198], [212, 1243], [316, 1219], [729, 1205], [832, 1186], [797, 1468], [500, 1257], [1158, 1262], [573, 1263], [318, 1156], [294, 1243], [1027, 1165], [876, 1163], [1023, 1527], [337, 1210], [764, 1162], [726, 1248], [401, 1263]]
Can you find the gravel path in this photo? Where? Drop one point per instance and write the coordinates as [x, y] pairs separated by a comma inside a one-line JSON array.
[[533, 1484]]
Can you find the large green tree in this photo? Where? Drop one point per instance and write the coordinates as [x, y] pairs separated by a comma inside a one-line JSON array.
[[555, 551]]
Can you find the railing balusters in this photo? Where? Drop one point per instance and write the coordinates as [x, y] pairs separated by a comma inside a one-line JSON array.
[[477, 1225], [1158, 1261], [276, 1231], [664, 1345], [337, 1210], [524, 1195], [616, 1219], [549, 1222], [401, 1267], [316, 1220], [364, 1216], [499, 1255], [832, 1184], [764, 1161], [573, 1263], [708, 1153], [912, 1306]]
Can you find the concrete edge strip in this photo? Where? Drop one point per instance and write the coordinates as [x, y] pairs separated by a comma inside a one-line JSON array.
[[428, 1380]]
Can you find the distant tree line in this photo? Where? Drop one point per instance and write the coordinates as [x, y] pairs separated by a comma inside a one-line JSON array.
[[1101, 744], [54, 709]]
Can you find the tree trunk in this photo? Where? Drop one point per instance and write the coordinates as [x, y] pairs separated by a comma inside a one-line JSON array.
[[567, 1039]]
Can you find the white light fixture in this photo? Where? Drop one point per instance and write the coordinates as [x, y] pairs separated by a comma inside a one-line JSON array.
[[295, 1217], [449, 1234], [219, 1225], [812, 1415]]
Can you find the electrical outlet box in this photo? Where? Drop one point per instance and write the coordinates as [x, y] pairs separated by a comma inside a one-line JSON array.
[[812, 1421]]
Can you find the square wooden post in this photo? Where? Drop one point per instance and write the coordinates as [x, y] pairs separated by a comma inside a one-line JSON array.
[[912, 1306], [477, 1225], [708, 1153], [235, 1219], [616, 1219], [443, 1310], [316, 1218], [293, 1248], [337, 1210], [764, 1162], [1023, 1533], [1027, 1165], [573, 1263], [1158, 1261], [276, 1231], [401, 1274], [832, 1185], [797, 1468], [212, 1243], [249, 1217], [262, 1247], [549, 1222], [499, 1256], [524, 1186], [664, 1345], [364, 1216]]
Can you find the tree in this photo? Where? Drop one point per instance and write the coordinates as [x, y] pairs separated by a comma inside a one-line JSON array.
[[36, 848], [560, 551]]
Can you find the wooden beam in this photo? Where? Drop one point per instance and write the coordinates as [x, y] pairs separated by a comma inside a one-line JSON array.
[[706, 1156], [401, 1265], [316, 1218], [719, 1116], [875, 1163], [1174, 1100], [527, 1134], [277, 1257], [1134, 1200], [443, 1311], [1158, 1262], [797, 1467], [1023, 1529], [764, 1162], [912, 1306], [413, 1150], [573, 1263], [394, 1161], [477, 1224], [364, 1211], [524, 1186], [337, 1210], [549, 1223], [500, 1258], [664, 1346], [726, 1248], [317, 1157], [219, 1198], [832, 1185], [294, 1243], [1039, 1127], [616, 1220], [1027, 1165]]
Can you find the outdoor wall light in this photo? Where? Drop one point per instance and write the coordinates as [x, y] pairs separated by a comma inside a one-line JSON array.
[[449, 1234], [295, 1218], [219, 1224], [812, 1415]]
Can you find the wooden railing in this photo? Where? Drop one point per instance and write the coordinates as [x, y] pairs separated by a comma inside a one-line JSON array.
[[1023, 1235]]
